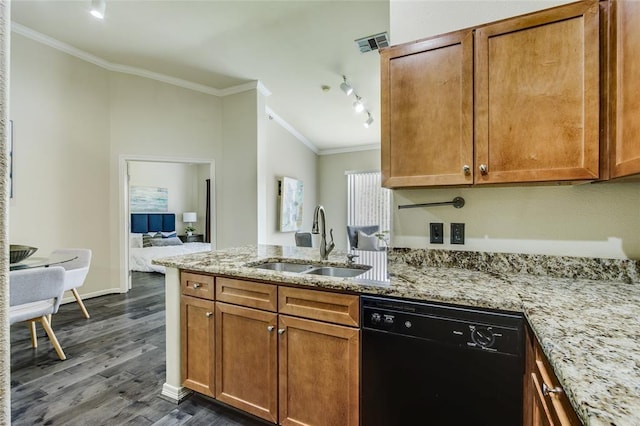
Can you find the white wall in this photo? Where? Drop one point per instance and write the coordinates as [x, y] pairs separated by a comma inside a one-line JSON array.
[[332, 186], [283, 155], [183, 187], [598, 220], [237, 184], [60, 109], [74, 121]]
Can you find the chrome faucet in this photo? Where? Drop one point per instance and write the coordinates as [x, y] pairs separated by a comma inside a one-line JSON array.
[[325, 248]]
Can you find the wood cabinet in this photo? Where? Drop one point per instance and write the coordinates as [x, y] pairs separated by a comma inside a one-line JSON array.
[[319, 373], [247, 360], [427, 112], [545, 402], [197, 344], [625, 88], [537, 92], [521, 95], [287, 355]]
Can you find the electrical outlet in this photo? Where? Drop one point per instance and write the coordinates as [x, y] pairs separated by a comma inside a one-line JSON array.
[[436, 231], [457, 233]]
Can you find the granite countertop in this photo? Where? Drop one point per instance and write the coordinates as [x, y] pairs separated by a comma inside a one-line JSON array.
[[589, 328]]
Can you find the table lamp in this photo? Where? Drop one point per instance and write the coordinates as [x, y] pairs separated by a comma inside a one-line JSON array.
[[189, 217]]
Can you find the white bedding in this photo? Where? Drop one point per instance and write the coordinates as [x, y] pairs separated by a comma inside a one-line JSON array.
[[140, 258]]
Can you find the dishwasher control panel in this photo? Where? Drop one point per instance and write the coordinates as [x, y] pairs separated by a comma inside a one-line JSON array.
[[465, 328]]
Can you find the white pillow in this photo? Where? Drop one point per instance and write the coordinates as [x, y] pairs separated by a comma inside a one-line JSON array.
[[135, 240], [367, 242]]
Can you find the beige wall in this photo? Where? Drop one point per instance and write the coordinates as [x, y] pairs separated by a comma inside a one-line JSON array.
[[60, 109], [75, 122], [238, 181], [332, 193], [587, 220], [284, 155]]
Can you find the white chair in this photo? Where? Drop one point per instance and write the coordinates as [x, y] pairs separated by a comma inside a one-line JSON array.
[[76, 272], [35, 294]]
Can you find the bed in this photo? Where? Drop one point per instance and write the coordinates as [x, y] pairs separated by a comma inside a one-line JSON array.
[[153, 235]]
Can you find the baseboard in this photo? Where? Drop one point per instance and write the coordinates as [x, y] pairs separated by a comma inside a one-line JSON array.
[[99, 293], [175, 394]]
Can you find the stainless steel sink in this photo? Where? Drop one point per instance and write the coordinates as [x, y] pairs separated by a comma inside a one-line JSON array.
[[336, 271], [305, 268], [285, 267]]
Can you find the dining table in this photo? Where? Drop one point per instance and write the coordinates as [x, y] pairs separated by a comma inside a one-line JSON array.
[[42, 262]]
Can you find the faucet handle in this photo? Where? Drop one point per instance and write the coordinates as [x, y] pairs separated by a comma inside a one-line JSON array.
[[331, 234], [351, 256]]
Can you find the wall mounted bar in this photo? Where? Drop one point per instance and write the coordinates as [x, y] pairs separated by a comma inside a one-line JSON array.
[[457, 202]]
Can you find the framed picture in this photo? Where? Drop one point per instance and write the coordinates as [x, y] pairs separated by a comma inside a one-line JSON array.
[[291, 195]]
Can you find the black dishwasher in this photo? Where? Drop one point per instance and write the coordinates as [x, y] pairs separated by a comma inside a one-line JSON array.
[[431, 364]]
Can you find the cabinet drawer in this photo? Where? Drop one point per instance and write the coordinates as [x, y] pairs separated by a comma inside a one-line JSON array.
[[197, 285], [556, 406], [321, 305], [247, 293]]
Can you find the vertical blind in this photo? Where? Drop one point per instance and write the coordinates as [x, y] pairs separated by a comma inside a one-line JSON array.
[[368, 203]]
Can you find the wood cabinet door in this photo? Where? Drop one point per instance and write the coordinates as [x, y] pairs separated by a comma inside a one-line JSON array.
[[537, 92], [625, 88], [427, 112], [197, 344], [319, 373], [247, 360]]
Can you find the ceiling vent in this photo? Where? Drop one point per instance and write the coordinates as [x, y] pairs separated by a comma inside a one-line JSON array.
[[374, 42]]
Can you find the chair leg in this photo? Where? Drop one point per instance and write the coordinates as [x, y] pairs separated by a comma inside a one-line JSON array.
[[52, 337], [50, 318], [34, 336], [79, 300]]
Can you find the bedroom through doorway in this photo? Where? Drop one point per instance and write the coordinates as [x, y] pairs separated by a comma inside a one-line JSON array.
[[161, 200]]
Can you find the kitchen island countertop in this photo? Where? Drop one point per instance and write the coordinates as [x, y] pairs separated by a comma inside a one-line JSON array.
[[589, 329]]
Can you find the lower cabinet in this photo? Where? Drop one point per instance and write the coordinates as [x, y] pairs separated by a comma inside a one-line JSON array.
[[197, 344], [247, 360], [545, 402], [319, 373], [287, 355]]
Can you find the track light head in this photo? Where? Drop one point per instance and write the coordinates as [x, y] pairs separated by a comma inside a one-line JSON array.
[[358, 105], [98, 8], [369, 121], [346, 87]]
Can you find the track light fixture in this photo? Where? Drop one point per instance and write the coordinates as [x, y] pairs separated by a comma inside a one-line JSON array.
[[369, 121], [358, 105], [98, 8], [346, 87]]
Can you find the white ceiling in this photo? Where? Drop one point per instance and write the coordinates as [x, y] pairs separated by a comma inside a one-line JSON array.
[[292, 47]]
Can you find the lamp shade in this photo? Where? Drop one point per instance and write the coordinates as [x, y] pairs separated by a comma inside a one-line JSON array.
[[189, 217]]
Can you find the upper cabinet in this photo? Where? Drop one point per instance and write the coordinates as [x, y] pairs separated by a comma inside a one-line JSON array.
[[427, 112], [625, 88], [515, 101], [537, 89]]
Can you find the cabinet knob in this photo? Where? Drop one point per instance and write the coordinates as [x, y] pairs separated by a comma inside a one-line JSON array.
[[208, 314], [466, 169], [483, 169], [270, 328], [196, 285], [281, 331], [546, 390]]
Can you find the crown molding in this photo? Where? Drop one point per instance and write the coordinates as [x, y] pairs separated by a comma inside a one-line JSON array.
[[358, 148], [288, 127], [125, 69]]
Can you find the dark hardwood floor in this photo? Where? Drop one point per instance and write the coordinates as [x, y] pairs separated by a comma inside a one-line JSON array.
[[114, 370]]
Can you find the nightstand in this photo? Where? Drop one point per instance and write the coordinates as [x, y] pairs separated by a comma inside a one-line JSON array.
[[195, 238]]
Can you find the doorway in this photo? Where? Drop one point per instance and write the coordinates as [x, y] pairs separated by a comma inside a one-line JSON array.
[[180, 197]]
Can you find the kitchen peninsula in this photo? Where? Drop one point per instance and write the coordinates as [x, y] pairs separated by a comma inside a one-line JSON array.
[[584, 312]]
